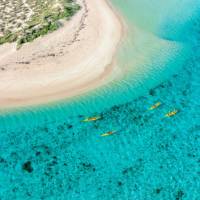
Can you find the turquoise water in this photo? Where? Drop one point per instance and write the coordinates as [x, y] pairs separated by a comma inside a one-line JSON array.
[[48, 153]]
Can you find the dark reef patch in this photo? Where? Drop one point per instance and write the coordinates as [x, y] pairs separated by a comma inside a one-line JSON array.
[[27, 166]]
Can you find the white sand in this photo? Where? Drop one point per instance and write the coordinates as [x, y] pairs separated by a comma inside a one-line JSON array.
[[72, 60]]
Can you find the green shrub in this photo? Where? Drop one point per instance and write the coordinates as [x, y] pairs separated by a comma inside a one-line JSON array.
[[41, 24]]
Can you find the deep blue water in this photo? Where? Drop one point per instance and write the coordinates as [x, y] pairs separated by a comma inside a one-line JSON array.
[[48, 153]]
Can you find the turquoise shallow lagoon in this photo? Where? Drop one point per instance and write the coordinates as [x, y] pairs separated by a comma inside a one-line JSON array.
[[48, 153]]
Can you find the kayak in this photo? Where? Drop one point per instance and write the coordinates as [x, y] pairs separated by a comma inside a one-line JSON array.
[[89, 119], [108, 133], [155, 106], [172, 113]]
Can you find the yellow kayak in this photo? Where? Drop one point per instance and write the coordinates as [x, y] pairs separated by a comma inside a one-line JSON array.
[[155, 106], [108, 133], [172, 113], [89, 119]]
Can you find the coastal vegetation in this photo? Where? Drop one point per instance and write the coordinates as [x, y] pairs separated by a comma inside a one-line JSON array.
[[23, 21]]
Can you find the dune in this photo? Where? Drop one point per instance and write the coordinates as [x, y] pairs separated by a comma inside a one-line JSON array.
[[76, 58]]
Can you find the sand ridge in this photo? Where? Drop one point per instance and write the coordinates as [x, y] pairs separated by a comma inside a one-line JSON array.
[[67, 62]]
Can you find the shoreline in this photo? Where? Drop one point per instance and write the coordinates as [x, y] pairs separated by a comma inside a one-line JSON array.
[[76, 58]]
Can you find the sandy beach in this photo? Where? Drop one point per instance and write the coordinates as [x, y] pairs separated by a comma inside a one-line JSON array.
[[72, 60]]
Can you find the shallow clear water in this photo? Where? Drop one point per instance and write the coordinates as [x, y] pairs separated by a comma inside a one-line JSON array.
[[47, 153]]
